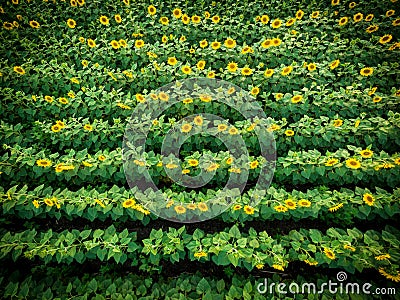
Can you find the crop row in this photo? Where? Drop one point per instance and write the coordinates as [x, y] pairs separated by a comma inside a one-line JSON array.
[[47, 284], [96, 102], [119, 204], [349, 249], [307, 133], [333, 168]]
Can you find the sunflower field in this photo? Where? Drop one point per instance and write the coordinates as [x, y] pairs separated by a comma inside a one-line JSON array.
[[324, 73]]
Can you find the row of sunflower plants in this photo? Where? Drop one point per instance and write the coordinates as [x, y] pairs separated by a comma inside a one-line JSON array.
[[183, 286], [119, 204], [115, 104], [349, 249], [344, 166], [307, 133]]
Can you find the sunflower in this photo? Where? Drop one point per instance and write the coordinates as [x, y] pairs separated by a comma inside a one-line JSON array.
[[353, 163], [201, 64], [187, 101], [329, 253], [266, 43], [331, 162], [139, 44], [290, 22], [81, 2], [368, 199], [264, 19], [71, 23], [63, 100], [185, 19], [222, 127], [255, 91], [122, 43], [8, 26], [186, 70], [289, 132], [140, 98], [128, 203], [333, 65], [102, 158], [286, 70], [91, 43], [253, 164], [229, 160], [268, 73], [186, 128], [233, 131], [73, 3], [164, 21], [151, 10], [366, 71], [335, 2], [48, 99], [372, 28], [193, 162], [202, 206], [163, 96], [212, 167], [276, 23], [205, 98], [203, 43], [191, 206], [385, 39], [299, 14], [290, 204], [337, 122], [196, 19], [396, 22], [237, 207], [248, 210], [215, 19], [43, 163], [343, 21], [118, 18], [312, 67], [114, 44], [104, 20], [34, 24], [246, 71], [211, 74], [352, 5], [397, 161], [366, 153], [335, 207], [164, 39], [274, 127], [297, 98], [49, 202], [247, 49], [369, 17], [19, 70], [179, 209], [281, 208], [231, 90], [172, 61], [215, 45], [230, 43], [182, 38], [304, 203], [315, 14], [390, 13], [88, 127], [207, 15], [177, 13], [276, 42], [232, 67], [198, 120]]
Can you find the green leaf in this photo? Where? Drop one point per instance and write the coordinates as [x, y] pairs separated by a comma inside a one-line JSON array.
[[203, 287]]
